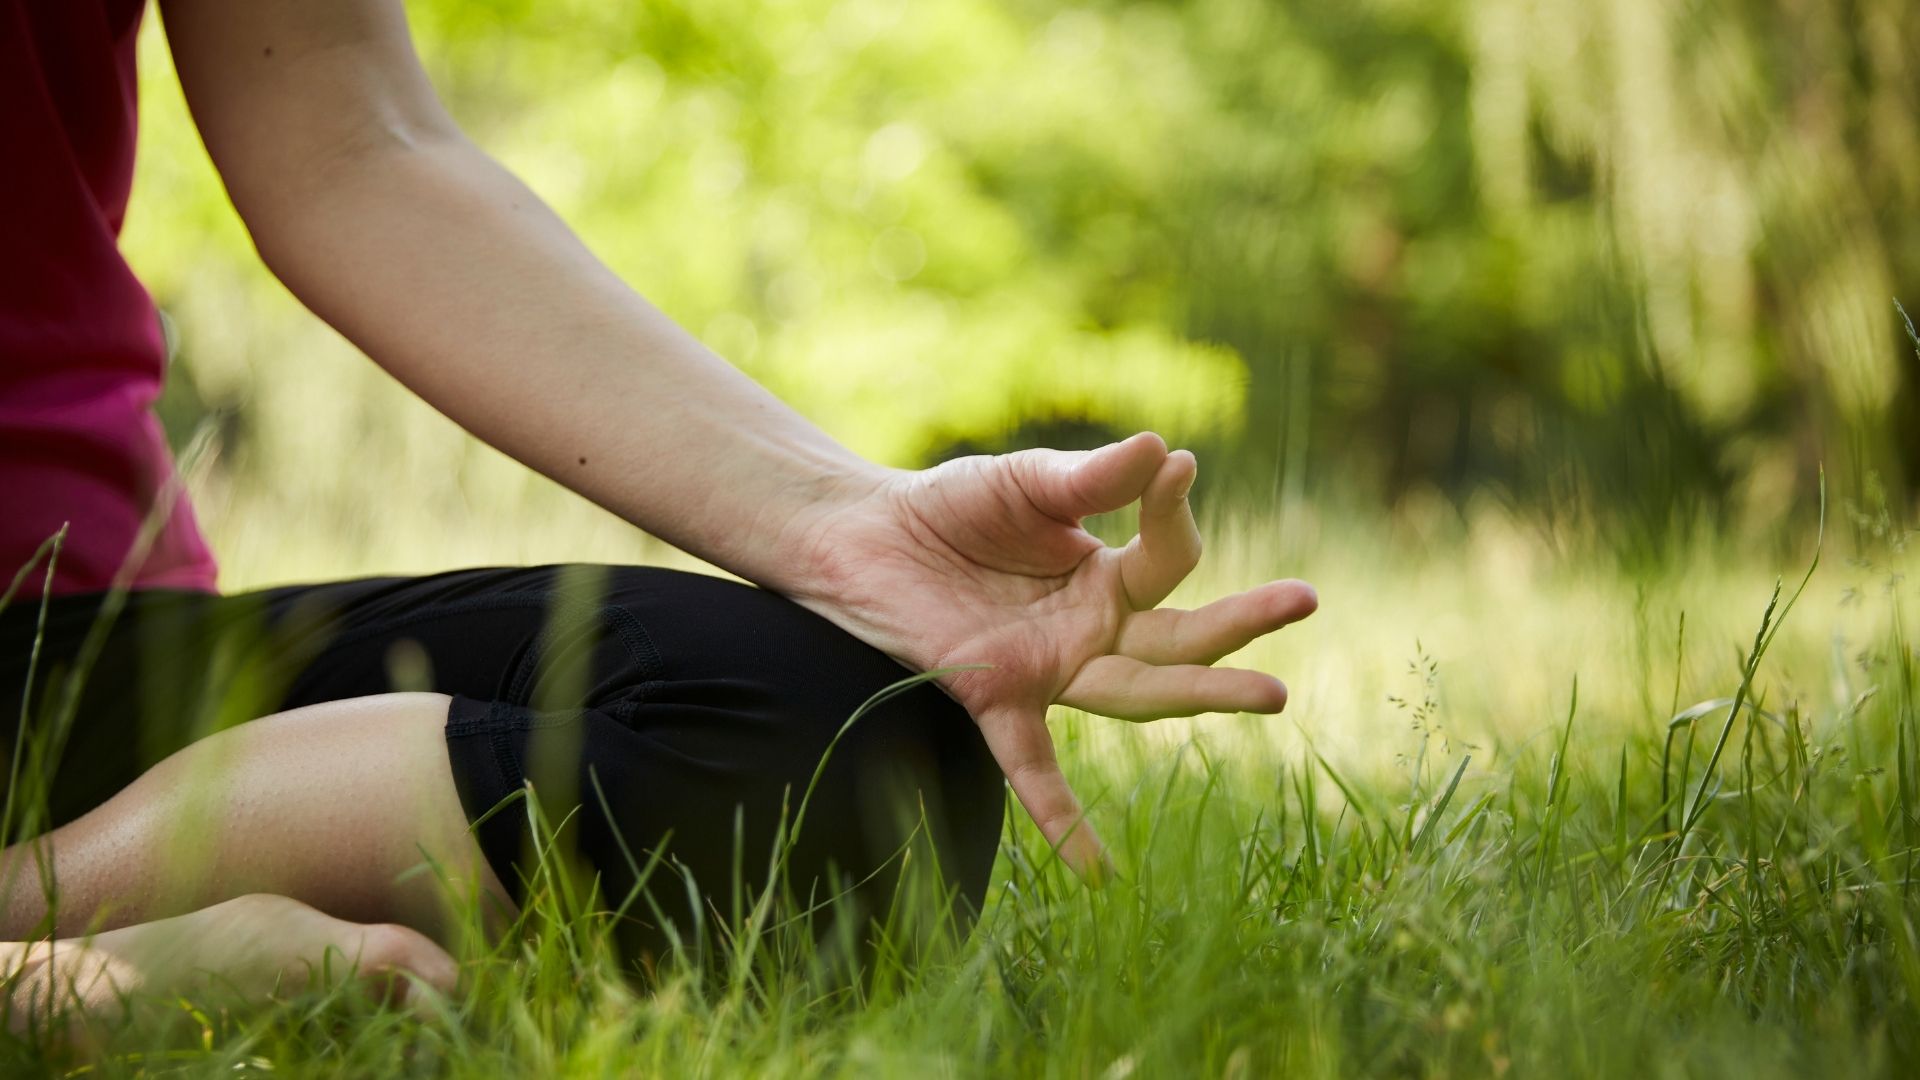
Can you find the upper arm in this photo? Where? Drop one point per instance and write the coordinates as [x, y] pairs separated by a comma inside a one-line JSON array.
[[285, 90]]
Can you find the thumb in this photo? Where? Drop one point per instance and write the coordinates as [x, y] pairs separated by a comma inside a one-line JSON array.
[[1072, 484]]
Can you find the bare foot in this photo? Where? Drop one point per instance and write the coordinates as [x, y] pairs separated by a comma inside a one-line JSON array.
[[251, 948]]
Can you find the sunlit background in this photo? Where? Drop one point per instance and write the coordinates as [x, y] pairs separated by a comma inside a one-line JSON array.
[[1519, 326]]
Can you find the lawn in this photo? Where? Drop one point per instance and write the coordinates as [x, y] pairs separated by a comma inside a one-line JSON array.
[[1529, 813]]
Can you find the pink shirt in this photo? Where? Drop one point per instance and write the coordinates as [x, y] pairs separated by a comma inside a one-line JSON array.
[[81, 351]]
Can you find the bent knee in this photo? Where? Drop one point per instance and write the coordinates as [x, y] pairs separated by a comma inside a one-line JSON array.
[[750, 715]]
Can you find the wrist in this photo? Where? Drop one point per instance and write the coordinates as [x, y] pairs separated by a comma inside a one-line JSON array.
[[806, 557]]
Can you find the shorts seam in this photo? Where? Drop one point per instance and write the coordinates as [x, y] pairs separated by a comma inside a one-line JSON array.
[[505, 760], [626, 628]]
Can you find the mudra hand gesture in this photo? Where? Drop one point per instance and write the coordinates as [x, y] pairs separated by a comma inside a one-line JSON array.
[[371, 206], [983, 561]]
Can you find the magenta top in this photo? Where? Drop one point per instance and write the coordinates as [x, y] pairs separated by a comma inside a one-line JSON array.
[[81, 349]]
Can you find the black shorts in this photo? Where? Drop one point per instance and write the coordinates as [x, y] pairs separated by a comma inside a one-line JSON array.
[[667, 712]]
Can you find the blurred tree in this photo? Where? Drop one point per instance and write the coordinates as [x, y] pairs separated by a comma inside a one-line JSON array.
[[1624, 263]]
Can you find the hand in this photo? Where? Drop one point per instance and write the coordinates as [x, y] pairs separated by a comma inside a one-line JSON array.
[[982, 561]]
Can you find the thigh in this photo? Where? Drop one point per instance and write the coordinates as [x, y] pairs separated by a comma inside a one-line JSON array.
[[681, 714], [111, 686], [98, 689], [742, 724], [685, 717]]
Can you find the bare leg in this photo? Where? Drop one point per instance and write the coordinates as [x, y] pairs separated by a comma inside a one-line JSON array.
[[335, 805]]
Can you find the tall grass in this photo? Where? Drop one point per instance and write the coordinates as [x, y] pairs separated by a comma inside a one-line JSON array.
[[1467, 879]]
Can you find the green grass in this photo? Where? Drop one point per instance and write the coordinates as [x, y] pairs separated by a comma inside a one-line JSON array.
[[1558, 835]]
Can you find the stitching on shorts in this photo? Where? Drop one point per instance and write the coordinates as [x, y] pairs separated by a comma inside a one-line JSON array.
[[506, 760], [569, 617], [639, 642], [478, 725]]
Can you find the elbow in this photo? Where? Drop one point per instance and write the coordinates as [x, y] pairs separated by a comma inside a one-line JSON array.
[[290, 194]]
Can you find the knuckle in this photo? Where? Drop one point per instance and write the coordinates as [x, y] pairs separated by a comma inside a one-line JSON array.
[[1057, 825], [1030, 769], [386, 946], [1182, 641]]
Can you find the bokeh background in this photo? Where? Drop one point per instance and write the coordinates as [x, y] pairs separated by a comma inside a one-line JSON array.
[[1520, 326]]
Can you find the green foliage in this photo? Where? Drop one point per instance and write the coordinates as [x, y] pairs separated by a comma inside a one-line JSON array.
[[1626, 264]]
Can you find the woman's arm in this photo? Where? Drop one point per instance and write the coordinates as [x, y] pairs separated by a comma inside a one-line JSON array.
[[367, 201]]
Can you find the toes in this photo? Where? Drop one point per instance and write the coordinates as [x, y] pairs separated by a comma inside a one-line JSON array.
[[404, 955]]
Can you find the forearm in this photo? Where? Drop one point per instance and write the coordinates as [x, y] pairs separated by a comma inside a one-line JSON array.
[[453, 276]]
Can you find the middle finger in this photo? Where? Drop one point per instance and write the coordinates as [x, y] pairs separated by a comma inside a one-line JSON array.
[[1204, 635]]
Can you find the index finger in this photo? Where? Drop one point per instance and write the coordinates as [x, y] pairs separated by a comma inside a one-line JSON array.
[[1021, 744], [1167, 547]]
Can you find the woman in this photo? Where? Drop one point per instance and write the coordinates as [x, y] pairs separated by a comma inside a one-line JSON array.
[[683, 715]]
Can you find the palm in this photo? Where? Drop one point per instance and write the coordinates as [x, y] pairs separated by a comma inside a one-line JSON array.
[[982, 563]]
